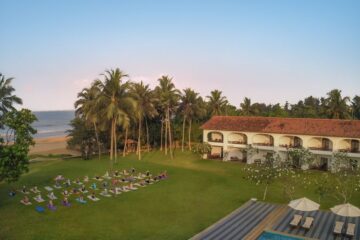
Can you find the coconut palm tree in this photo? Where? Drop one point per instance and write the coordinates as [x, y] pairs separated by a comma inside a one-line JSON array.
[[336, 105], [246, 107], [216, 102], [355, 107], [190, 107], [87, 107], [116, 103], [145, 108], [168, 97], [7, 98]]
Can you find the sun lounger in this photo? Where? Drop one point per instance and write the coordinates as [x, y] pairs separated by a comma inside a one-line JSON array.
[[350, 230], [308, 223], [48, 188], [93, 199], [296, 220], [25, 203], [338, 227], [57, 186], [78, 183]]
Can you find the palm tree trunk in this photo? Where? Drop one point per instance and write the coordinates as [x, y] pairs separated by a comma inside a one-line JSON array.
[[111, 144], [147, 135], [170, 140], [190, 134], [139, 140], [125, 145], [115, 142], [166, 134], [183, 134], [97, 139], [161, 134]]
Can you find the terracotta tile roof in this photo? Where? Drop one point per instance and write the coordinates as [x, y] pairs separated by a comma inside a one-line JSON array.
[[301, 126]]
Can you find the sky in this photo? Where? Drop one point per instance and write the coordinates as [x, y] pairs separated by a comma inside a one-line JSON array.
[[271, 51]]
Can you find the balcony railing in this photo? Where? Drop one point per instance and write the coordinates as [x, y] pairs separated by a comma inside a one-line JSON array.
[[321, 148], [348, 150], [264, 144], [237, 142], [216, 140], [290, 146]]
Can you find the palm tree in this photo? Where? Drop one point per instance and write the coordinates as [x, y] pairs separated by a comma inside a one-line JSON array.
[[190, 107], [116, 104], [145, 108], [168, 97], [87, 107], [216, 102], [7, 99], [355, 107], [336, 105], [246, 107]]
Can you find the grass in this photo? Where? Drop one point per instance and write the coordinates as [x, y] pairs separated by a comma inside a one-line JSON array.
[[197, 193]]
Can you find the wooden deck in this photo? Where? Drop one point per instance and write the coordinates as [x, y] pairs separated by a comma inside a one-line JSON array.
[[267, 223]]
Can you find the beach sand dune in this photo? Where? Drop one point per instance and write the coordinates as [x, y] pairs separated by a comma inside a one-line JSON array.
[[51, 145]]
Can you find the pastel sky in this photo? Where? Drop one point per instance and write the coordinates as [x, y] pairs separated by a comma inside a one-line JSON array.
[[270, 51]]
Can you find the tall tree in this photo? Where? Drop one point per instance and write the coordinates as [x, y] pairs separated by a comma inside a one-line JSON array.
[[116, 103], [145, 109], [216, 103], [190, 107], [87, 107], [245, 107], [336, 105], [355, 107], [168, 97], [7, 98]]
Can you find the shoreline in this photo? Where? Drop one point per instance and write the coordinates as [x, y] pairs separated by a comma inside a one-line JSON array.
[[51, 145]]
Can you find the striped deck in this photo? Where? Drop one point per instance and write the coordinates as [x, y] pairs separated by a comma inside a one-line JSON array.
[[239, 223], [324, 222], [252, 218]]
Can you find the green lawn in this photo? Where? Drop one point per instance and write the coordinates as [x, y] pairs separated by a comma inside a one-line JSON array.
[[196, 194]]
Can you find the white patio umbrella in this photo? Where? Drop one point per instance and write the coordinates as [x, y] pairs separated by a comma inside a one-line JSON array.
[[346, 210], [304, 204]]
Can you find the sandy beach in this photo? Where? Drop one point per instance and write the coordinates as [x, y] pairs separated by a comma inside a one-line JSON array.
[[51, 145]]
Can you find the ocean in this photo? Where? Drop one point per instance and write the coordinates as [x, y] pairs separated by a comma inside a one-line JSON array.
[[52, 123]]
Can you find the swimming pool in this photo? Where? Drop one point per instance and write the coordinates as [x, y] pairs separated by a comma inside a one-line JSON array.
[[276, 236]]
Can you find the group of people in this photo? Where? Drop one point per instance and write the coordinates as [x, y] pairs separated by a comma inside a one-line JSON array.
[[108, 185]]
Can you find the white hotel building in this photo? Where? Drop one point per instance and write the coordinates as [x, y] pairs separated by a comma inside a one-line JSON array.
[[230, 136]]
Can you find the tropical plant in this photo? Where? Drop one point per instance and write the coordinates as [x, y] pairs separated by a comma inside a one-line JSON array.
[[82, 137], [168, 97], [336, 105], [14, 158], [87, 107], [245, 107], [267, 172], [116, 104], [145, 109], [355, 105], [191, 106], [216, 102], [7, 98]]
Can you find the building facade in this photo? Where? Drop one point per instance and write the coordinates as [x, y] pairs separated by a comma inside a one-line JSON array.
[[231, 137]]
